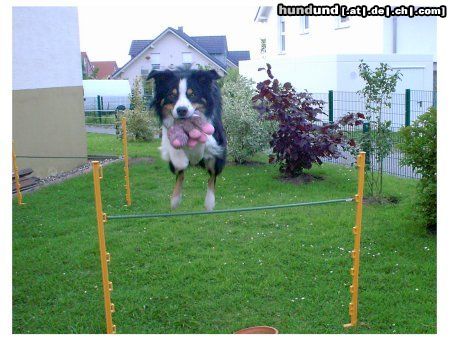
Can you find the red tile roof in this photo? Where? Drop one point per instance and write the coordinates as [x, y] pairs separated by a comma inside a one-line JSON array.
[[105, 68]]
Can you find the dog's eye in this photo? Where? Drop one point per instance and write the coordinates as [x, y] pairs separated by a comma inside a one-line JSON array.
[[172, 95], [190, 93]]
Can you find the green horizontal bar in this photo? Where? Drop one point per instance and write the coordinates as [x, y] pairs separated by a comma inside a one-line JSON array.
[[267, 207]]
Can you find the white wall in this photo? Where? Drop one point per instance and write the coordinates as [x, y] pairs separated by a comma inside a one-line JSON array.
[[340, 72], [170, 48], [371, 35], [417, 70], [311, 73], [46, 48], [417, 35], [362, 36]]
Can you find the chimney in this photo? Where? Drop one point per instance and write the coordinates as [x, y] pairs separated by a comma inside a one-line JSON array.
[[180, 28]]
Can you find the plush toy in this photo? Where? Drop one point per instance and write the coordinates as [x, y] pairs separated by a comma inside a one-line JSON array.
[[189, 131]]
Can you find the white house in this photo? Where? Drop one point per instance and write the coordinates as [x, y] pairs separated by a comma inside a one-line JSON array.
[[174, 48], [321, 53]]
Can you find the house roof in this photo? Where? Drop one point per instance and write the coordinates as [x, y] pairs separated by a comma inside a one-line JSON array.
[[236, 56], [137, 46], [198, 46], [105, 68], [90, 69], [213, 44]]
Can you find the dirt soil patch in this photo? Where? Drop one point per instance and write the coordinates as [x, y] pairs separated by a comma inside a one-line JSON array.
[[78, 171], [381, 200], [301, 179]]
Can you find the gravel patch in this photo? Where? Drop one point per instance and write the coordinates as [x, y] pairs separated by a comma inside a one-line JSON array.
[[62, 176]]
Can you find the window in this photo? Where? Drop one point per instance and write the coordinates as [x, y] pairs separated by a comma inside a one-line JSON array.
[[187, 59], [282, 34], [155, 60], [342, 22], [304, 24]]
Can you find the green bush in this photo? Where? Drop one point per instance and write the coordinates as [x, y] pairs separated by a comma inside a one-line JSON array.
[[141, 125], [420, 149], [247, 133]]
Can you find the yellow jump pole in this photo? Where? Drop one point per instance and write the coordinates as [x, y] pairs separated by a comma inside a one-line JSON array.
[[125, 159], [354, 271], [104, 256], [16, 175]]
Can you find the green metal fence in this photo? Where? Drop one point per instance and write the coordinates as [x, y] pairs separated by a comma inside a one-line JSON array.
[[405, 108], [101, 110]]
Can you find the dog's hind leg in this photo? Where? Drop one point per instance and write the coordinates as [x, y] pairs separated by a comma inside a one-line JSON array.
[[210, 199]]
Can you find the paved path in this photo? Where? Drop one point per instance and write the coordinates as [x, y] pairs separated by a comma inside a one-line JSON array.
[[105, 129]]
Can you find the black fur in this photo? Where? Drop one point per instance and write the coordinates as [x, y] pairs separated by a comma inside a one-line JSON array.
[[206, 92]]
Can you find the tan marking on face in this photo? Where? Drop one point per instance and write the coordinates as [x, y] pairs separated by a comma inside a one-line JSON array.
[[189, 92], [167, 110], [175, 92], [199, 107]]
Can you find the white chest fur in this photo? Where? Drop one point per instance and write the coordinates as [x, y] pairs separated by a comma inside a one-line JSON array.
[[181, 158]]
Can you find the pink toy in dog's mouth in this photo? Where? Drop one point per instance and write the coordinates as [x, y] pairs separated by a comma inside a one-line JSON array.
[[189, 131]]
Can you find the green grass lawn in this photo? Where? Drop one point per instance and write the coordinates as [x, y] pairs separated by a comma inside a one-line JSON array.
[[219, 273]]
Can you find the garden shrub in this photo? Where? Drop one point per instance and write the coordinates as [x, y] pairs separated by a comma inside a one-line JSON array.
[[419, 146], [301, 138], [247, 133], [141, 125]]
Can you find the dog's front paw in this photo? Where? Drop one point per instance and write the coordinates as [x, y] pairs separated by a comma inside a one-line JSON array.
[[175, 201], [210, 201]]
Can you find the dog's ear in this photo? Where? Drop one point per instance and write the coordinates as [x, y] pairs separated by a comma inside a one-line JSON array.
[[160, 75], [207, 76], [214, 75]]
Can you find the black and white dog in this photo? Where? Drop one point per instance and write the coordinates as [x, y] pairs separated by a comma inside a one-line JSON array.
[[178, 94]]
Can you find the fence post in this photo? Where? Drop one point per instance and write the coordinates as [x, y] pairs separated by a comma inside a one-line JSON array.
[[99, 107], [104, 255], [125, 160], [16, 176], [330, 106], [407, 107], [354, 271]]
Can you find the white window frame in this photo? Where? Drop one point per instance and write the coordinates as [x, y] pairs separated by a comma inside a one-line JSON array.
[[281, 35], [342, 24], [186, 58], [304, 29], [155, 60]]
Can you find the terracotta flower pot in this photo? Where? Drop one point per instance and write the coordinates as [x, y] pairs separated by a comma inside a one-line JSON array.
[[258, 330]]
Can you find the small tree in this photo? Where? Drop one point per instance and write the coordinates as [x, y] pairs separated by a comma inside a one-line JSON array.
[[140, 124], [419, 147], [247, 134], [301, 138], [377, 142]]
